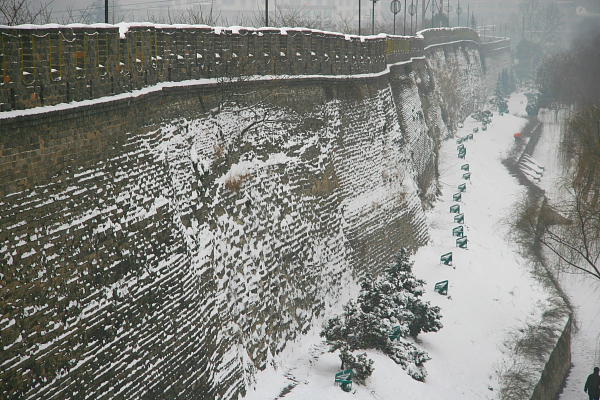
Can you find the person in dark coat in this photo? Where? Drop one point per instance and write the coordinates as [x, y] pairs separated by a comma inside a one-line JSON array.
[[592, 385]]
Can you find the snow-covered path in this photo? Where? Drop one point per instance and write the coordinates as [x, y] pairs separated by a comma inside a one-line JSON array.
[[584, 292], [491, 293]]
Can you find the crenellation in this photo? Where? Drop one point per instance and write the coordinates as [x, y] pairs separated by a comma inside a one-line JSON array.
[[48, 65]]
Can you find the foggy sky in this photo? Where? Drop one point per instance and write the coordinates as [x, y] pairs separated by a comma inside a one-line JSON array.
[[140, 9]]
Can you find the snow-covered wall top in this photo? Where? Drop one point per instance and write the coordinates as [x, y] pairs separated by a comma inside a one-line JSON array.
[[52, 64]]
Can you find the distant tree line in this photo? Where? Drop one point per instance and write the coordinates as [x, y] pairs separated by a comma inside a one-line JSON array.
[[15, 12]]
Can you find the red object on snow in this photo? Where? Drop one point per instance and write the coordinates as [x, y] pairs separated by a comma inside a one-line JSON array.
[[517, 135]]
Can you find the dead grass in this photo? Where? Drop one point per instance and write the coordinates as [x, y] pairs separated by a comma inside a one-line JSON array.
[[326, 185], [218, 151], [234, 183], [536, 341], [515, 381], [530, 346]]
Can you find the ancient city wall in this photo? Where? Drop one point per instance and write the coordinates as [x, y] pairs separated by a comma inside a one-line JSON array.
[[167, 243], [495, 56], [44, 65], [557, 367]]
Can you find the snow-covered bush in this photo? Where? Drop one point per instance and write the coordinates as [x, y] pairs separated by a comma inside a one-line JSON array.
[[388, 310], [506, 83], [360, 364], [234, 183], [505, 86]]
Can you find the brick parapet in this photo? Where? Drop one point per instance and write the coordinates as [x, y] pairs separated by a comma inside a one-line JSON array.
[[48, 65]]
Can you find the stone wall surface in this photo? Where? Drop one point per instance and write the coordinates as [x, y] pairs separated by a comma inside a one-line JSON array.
[[557, 367], [52, 64], [167, 245], [495, 56]]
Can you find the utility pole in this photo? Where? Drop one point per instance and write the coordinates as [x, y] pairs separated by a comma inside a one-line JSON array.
[[373, 18], [448, 10], [404, 17], [359, 10], [411, 12], [266, 12], [395, 9], [417, 16], [458, 14], [468, 14], [483, 25], [106, 11]]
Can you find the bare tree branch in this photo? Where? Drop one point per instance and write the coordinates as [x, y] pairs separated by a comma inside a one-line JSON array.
[[567, 228], [16, 12]]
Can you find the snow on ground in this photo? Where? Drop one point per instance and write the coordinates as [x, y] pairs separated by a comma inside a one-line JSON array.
[[517, 103], [491, 293], [583, 292], [546, 152]]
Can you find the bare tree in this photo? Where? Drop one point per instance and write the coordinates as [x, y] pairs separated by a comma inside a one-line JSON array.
[[81, 16], [198, 16], [288, 17], [542, 21], [346, 25], [569, 229], [16, 12], [580, 144], [570, 78]]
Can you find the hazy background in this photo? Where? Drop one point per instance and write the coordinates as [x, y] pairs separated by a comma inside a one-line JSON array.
[[329, 12], [531, 19]]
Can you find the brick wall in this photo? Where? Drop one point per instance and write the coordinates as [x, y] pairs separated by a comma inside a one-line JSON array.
[[557, 367], [166, 245], [495, 56], [45, 65]]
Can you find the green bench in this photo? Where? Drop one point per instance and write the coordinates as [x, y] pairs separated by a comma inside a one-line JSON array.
[[458, 231], [446, 259], [462, 187], [464, 167], [467, 176], [395, 333], [461, 242], [455, 208], [344, 379], [459, 218], [456, 196], [441, 288]]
